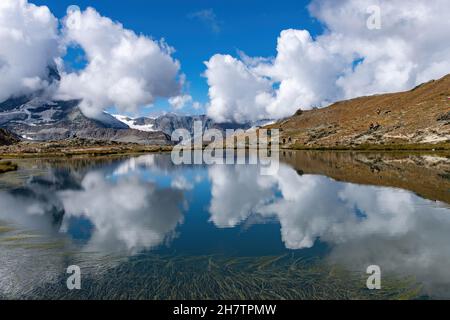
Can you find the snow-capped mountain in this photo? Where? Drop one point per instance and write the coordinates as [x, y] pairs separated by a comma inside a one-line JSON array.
[[38, 117], [41, 119], [169, 122], [142, 124]]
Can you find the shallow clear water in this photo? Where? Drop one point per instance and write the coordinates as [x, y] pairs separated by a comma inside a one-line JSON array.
[[144, 228]]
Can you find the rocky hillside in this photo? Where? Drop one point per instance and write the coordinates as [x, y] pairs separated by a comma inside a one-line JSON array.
[[419, 116], [39, 119], [7, 138]]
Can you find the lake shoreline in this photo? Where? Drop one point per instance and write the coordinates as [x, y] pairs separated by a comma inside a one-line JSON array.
[[375, 147], [75, 148], [71, 149]]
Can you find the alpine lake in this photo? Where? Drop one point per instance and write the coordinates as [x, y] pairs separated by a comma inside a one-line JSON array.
[[140, 227]]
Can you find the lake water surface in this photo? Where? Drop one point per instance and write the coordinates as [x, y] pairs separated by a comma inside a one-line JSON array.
[[143, 228]]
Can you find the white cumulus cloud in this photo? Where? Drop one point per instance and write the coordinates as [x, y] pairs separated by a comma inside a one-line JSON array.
[[28, 46], [347, 60], [179, 102], [236, 92], [124, 69]]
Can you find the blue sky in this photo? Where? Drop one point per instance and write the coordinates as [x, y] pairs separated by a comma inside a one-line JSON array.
[[251, 26]]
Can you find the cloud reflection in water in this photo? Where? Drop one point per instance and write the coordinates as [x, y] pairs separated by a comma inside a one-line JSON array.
[[141, 204], [362, 225]]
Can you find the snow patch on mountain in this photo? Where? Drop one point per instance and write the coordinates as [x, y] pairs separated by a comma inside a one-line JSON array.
[[132, 123]]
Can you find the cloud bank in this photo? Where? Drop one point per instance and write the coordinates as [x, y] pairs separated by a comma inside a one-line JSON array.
[[347, 60], [128, 71], [29, 45], [124, 70]]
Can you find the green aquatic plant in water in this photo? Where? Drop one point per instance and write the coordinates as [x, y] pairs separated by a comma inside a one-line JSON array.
[[151, 276], [215, 277]]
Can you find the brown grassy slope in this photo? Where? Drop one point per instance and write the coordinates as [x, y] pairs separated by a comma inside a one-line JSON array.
[[421, 115]]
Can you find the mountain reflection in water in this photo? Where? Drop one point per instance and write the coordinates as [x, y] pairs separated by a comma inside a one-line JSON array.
[[115, 211]]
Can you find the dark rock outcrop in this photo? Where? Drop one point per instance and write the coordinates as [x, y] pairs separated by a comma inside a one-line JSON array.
[[7, 138]]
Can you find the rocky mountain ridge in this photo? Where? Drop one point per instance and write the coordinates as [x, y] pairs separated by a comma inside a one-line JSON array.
[[40, 119], [169, 122], [37, 118]]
